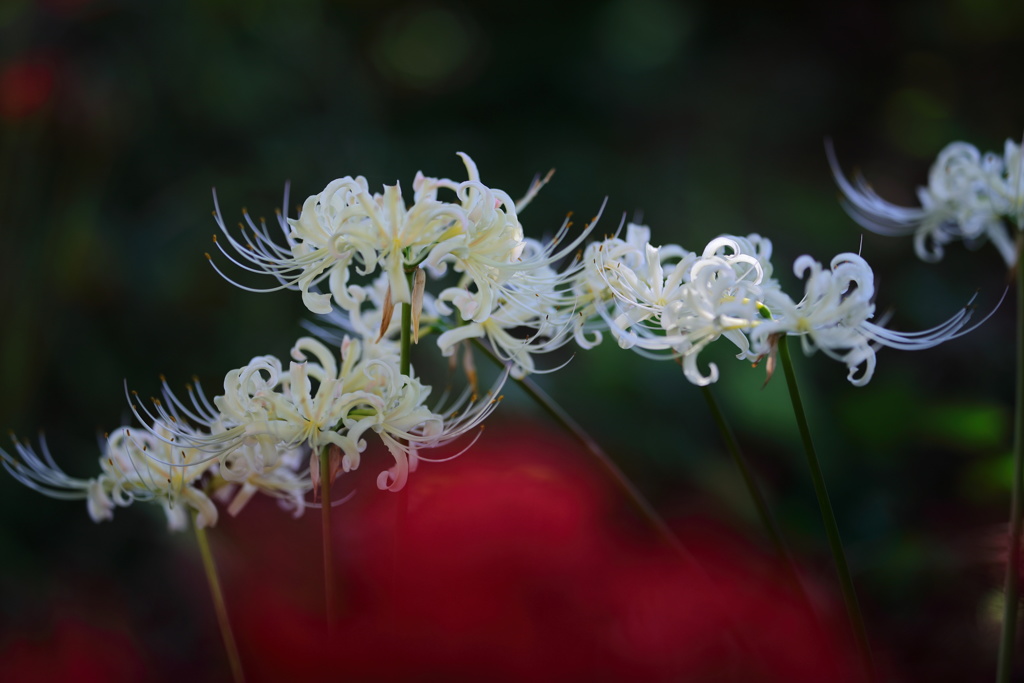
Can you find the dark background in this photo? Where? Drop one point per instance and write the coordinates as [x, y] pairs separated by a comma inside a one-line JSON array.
[[117, 118]]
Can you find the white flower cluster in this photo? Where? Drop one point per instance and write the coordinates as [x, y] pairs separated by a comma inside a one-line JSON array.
[[263, 434], [970, 196], [273, 425], [149, 466], [669, 302], [267, 412], [268, 430], [508, 289]]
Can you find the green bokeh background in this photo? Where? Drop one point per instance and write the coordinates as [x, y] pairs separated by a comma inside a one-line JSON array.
[[702, 118]]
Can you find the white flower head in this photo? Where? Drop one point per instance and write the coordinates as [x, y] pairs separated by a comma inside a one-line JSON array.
[[532, 316], [346, 227], [667, 302], [537, 266], [268, 411], [835, 316], [529, 306], [266, 414], [970, 197], [135, 465]]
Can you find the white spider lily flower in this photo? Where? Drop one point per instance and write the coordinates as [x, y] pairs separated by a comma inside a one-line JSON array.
[[721, 299], [135, 465], [287, 481], [345, 222], [517, 329], [970, 197], [270, 411], [267, 413], [666, 302], [486, 282], [532, 314], [835, 317], [345, 226], [465, 414], [403, 422], [592, 288]]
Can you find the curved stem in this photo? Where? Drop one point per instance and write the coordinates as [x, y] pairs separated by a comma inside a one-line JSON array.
[[219, 607], [1012, 586], [828, 517], [763, 511], [558, 414]]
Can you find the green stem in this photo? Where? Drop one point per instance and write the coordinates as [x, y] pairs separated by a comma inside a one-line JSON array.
[[402, 502], [558, 414], [1012, 590], [210, 568], [763, 511], [330, 595], [828, 517], [405, 364]]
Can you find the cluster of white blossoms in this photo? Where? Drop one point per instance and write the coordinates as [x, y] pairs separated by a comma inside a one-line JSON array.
[[146, 465], [267, 431], [507, 288], [274, 424], [267, 412], [264, 434], [668, 302], [970, 196]]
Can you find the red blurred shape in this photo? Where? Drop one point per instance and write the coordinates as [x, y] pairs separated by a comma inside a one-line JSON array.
[[512, 564], [25, 87], [74, 652]]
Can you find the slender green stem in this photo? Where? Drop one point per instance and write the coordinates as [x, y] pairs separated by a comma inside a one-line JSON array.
[[405, 364], [399, 540], [558, 414], [1012, 590], [402, 502], [210, 568], [330, 594], [638, 499], [828, 517], [763, 511]]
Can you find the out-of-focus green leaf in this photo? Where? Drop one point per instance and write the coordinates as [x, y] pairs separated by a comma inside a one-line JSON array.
[[971, 426], [989, 477]]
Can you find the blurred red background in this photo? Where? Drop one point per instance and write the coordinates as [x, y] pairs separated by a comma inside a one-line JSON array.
[[517, 561]]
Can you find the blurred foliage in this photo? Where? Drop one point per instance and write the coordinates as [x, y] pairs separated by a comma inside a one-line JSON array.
[[701, 118]]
